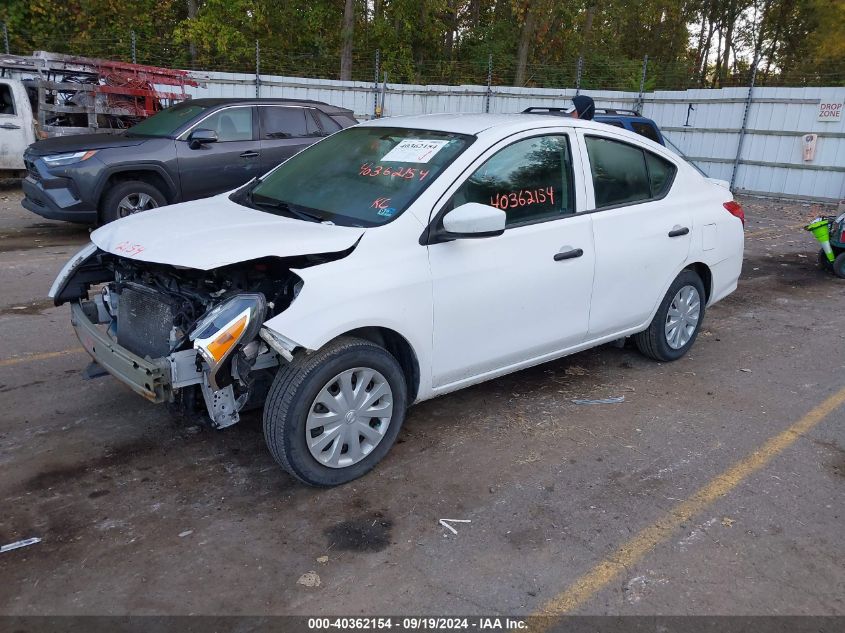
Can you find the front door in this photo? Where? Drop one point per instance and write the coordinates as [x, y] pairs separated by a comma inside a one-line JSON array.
[[227, 164], [504, 301]]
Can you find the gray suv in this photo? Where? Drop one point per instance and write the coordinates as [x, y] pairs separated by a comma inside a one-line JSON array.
[[198, 148]]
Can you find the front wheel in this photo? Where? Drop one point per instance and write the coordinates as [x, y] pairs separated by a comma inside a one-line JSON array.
[[128, 198], [675, 326], [333, 415]]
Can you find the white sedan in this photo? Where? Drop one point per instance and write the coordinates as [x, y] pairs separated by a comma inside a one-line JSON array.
[[397, 261]]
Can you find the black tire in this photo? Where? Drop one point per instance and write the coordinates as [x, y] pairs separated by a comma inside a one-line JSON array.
[[652, 342], [293, 392], [109, 211], [839, 265]]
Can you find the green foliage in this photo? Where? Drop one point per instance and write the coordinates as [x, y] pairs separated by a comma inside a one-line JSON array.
[[449, 41]]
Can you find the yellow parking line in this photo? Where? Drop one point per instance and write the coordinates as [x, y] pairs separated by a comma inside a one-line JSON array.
[[6, 362], [666, 526]]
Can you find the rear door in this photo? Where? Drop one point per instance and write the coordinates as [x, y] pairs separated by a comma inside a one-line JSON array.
[[642, 235], [15, 125], [230, 162], [284, 131]]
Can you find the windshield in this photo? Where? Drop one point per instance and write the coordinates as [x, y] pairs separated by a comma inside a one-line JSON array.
[[166, 122], [362, 176]]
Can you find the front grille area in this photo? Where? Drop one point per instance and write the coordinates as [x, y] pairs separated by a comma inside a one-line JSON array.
[[144, 321]]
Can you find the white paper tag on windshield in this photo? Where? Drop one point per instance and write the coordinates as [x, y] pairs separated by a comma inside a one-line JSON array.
[[414, 150]]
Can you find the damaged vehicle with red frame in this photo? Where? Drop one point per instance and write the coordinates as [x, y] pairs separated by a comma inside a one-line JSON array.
[[399, 260]]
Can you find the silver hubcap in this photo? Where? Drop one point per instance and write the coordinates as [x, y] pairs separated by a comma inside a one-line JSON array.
[[349, 417], [135, 203], [683, 316]]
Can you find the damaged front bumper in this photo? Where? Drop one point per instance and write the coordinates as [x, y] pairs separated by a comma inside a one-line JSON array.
[[149, 378], [158, 379]]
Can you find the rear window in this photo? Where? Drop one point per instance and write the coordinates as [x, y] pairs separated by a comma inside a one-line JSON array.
[[362, 176], [646, 129]]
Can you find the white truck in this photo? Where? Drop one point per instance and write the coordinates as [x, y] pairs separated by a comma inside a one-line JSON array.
[[17, 127], [48, 94]]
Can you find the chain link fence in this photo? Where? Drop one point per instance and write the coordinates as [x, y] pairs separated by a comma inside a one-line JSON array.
[[591, 72]]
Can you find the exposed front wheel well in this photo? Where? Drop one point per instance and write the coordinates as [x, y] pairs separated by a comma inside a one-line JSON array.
[[399, 348]]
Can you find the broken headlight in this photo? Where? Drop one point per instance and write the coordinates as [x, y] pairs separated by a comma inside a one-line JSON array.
[[220, 331]]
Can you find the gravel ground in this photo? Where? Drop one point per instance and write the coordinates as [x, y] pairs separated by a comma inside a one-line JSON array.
[[142, 514]]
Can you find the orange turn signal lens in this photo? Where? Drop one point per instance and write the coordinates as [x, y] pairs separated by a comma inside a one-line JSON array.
[[226, 339]]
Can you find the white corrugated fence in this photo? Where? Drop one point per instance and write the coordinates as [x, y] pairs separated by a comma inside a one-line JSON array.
[[771, 162]]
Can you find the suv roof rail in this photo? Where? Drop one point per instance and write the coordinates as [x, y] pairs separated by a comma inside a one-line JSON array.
[[565, 111], [546, 110], [621, 111]]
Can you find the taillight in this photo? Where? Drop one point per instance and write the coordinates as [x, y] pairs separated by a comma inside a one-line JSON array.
[[735, 210]]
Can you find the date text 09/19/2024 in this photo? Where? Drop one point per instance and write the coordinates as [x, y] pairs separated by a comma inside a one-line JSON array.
[[419, 623]]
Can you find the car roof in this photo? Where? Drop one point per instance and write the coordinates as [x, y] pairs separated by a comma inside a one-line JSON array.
[[502, 125], [220, 101], [477, 123]]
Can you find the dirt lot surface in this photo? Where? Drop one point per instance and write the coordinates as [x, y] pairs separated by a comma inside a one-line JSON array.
[[142, 514]]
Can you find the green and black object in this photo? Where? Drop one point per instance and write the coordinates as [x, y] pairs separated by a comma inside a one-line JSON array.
[[830, 233]]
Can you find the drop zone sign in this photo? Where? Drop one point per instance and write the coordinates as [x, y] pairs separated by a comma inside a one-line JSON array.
[[830, 111]]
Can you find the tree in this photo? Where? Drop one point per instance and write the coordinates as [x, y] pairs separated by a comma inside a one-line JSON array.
[[526, 38], [348, 32]]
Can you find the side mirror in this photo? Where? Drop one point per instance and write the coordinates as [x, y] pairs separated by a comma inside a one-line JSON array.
[[473, 220], [200, 137]]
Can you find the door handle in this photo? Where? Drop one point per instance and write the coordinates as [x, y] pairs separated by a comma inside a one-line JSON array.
[[678, 231], [572, 254], [10, 126], [249, 154]]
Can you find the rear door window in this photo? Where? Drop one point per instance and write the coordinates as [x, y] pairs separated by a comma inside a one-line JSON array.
[[619, 172], [284, 122], [624, 173]]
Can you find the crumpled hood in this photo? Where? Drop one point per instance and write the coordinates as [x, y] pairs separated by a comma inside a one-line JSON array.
[[213, 232]]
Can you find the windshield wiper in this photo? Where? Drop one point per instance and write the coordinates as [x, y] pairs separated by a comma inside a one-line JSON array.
[[284, 207]]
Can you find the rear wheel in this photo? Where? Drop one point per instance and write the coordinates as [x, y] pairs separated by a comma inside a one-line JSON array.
[[824, 262], [333, 415], [839, 265], [130, 197], [678, 320]]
